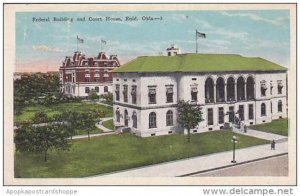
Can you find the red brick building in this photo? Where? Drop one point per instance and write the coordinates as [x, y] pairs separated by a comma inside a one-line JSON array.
[[79, 74]]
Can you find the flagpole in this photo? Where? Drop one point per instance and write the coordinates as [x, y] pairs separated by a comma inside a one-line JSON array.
[[196, 42]]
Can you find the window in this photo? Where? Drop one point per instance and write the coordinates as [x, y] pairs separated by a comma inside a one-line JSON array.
[[134, 120], [241, 112], [87, 79], [279, 87], [117, 92], [133, 94], [279, 106], [271, 88], [169, 118], [230, 89], [263, 109], [240, 89], [263, 88], [194, 93], [250, 113], [97, 80], [105, 89], [97, 89], [221, 115], [220, 90], [250, 88], [87, 89], [125, 93], [209, 90], [210, 116], [152, 120], [169, 94], [194, 78], [152, 95], [231, 114], [118, 115]]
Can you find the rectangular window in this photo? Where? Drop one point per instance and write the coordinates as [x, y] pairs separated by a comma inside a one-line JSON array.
[[97, 80], [97, 89], [279, 86], [152, 95], [87, 89], [133, 94], [194, 94], [87, 79], [231, 114], [221, 115], [117, 92], [210, 116], [169, 94], [263, 89], [125, 93], [250, 112], [241, 112]]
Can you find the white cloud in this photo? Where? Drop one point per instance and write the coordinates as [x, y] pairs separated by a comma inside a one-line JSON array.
[[45, 48], [276, 21]]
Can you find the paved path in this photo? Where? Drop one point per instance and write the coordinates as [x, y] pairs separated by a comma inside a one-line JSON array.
[[202, 163], [104, 104], [100, 124], [261, 135], [92, 135]]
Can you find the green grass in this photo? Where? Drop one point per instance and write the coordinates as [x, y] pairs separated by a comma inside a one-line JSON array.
[[28, 112], [118, 152], [109, 124], [198, 63], [279, 127]]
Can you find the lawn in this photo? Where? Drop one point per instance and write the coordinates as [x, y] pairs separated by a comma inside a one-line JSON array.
[[109, 124], [279, 127], [28, 112], [118, 152]]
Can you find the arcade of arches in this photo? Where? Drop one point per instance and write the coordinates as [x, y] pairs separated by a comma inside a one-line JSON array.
[[230, 90]]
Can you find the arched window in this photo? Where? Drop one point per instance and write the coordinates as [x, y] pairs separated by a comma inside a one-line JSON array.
[[220, 93], [250, 88], [118, 115], [126, 118], [169, 118], [240, 89], [263, 109], [279, 106], [152, 120], [230, 89], [134, 120], [209, 90], [105, 89]]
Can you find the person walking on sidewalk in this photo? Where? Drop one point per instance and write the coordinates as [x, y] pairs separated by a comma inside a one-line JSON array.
[[273, 145]]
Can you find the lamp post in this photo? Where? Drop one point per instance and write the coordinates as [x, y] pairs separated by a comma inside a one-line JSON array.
[[234, 141]]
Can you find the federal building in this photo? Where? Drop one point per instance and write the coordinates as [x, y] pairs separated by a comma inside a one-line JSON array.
[[226, 86]]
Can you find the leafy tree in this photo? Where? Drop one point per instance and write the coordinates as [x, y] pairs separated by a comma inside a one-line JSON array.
[[189, 115], [40, 139], [93, 95], [108, 98], [40, 117], [71, 120], [87, 122]]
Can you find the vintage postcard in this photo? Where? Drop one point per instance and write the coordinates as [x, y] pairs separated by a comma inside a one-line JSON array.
[[150, 94]]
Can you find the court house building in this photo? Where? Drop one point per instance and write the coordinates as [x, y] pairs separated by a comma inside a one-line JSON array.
[[226, 86]]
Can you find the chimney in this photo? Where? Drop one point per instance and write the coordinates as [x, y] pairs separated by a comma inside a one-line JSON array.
[[173, 50]]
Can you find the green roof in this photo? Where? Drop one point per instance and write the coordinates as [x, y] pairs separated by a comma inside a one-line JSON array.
[[198, 63]]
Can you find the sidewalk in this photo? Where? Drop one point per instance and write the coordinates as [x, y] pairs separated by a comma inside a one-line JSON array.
[[100, 126], [202, 163], [260, 134]]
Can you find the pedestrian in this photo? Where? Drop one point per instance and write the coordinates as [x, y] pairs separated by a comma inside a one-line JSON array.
[[245, 128], [273, 145]]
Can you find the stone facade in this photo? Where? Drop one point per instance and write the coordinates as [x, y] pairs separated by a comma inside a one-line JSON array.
[[147, 102]]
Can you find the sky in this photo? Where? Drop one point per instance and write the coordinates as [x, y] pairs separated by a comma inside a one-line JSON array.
[[42, 46]]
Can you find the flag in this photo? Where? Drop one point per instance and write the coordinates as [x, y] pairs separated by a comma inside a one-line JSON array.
[[79, 40], [198, 34], [103, 41]]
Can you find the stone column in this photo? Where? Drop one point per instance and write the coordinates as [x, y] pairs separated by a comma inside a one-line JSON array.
[[245, 93], [235, 89], [215, 93]]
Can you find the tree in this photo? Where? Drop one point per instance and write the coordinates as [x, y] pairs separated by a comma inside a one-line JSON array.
[[39, 139], [93, 95], [40, 117], [87, 122], [71, 120], [189, 115]]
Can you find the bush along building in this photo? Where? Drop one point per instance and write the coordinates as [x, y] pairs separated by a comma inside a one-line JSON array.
[[80, 75], [226, 86]]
